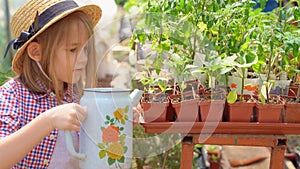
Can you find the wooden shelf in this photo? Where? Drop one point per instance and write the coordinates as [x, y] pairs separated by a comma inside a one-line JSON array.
[[222, 128]]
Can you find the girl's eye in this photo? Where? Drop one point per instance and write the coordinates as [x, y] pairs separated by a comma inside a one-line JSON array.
[[73, 50]]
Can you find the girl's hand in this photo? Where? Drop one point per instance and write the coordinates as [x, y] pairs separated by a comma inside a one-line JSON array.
[[137, 115], [67, 116]]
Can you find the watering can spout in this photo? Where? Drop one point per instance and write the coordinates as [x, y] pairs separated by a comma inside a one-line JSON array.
[[135, 96]]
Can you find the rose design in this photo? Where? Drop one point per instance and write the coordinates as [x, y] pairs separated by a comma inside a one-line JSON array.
[[119, 114], [110, 134], [113, 137], [115, 151]]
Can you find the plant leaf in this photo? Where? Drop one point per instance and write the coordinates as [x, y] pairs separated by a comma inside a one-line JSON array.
[[126, 109], [102, 154], [111, 161], [263, 93], [231, 97], [101, 145], [122, 159]]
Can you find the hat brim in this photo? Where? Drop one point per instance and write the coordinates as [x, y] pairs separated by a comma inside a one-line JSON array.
[[92, 11]]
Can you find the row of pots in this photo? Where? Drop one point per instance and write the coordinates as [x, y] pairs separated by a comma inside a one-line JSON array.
[[195, 110]]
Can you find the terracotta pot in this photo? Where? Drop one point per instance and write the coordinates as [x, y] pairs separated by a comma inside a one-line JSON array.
[[268, 113], [292, 111], [212, 110], [214, 164], [241, 111], [155, 111], [186, 110]]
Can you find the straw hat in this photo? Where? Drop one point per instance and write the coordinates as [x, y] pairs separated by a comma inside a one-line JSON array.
[[24, 27]]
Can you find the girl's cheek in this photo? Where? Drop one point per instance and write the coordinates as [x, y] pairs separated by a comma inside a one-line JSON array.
[[83, 57]]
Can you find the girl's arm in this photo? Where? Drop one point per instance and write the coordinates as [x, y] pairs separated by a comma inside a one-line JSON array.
[[16, 146]]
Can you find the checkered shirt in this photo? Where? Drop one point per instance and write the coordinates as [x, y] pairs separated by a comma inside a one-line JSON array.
[[18, 106]]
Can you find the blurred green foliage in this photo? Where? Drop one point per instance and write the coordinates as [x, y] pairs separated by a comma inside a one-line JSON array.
[[6, 76]]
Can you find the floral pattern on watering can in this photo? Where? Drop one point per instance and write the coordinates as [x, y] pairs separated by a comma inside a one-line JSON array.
[[113, 138]]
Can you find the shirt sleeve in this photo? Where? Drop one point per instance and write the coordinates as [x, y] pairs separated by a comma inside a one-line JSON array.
[[9, 116]]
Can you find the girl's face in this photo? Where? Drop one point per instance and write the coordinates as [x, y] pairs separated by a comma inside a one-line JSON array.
[[71, 56]]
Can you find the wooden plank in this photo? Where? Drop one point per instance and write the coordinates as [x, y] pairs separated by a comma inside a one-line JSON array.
[[239, 140], [222, 128]]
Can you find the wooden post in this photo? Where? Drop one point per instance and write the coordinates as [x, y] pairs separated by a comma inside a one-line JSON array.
[[187, 150], [277, 154]]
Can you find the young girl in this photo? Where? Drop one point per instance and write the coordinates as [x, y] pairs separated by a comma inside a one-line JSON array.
[[54, 56]]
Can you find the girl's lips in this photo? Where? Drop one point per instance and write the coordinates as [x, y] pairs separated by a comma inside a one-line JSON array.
[[79, 70]]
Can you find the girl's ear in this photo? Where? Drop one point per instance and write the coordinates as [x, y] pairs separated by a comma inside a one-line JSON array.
[[34, 51]]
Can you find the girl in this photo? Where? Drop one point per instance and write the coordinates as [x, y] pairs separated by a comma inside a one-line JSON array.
[[54, 56]]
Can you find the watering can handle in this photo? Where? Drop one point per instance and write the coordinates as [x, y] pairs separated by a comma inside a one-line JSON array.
[[70, 146]]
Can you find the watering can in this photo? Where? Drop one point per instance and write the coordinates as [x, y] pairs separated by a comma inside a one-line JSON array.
[[105, 139]]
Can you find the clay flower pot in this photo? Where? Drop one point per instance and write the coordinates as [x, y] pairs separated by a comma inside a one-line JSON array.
[[214, 164], [241, 111], [214, 156], [186, 110], [212, 110], [292, 110], [269, 113], [212, 106], [154, 111]]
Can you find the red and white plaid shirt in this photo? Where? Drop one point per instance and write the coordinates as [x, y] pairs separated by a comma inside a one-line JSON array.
[[18, 106]]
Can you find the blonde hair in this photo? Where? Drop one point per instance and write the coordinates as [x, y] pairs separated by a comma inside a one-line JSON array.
[[49, 41]]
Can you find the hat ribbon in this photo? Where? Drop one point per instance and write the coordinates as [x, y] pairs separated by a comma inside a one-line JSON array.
[[39, 22]]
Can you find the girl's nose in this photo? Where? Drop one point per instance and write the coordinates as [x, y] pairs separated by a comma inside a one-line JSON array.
[[83, 56]]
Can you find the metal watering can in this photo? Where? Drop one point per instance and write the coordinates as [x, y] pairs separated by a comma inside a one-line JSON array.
[[105, 139]]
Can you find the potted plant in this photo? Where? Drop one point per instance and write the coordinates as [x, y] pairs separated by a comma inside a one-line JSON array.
[[292, 108], [184, 103], [239, 101], [212, 103], [214, 162], [214, 156], [275, 33], [239, 107], [155, 99], [229, 35]]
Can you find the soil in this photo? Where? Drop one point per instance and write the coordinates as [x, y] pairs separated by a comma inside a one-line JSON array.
[[155, 98], [214, 96], [291, 100], [272, 100], [177, 99]]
